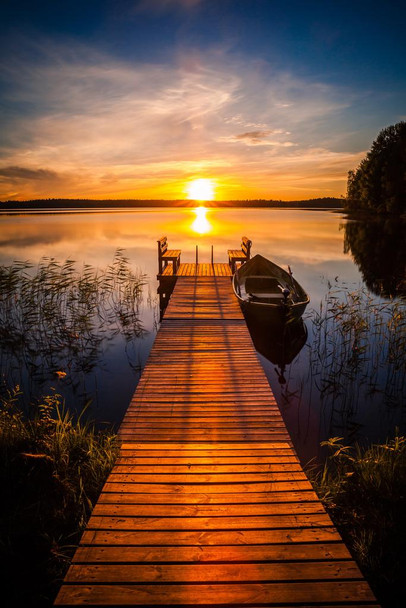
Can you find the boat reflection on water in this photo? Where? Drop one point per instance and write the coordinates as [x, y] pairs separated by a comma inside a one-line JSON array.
[[278, 341]]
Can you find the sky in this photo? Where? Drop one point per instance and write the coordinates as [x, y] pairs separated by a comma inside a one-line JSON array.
[[117, 99]]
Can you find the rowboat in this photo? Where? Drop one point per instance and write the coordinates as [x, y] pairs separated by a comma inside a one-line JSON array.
[[265, 289]]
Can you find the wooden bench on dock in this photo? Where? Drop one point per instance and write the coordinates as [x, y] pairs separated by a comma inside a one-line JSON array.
[[166, 255], [240, 255]]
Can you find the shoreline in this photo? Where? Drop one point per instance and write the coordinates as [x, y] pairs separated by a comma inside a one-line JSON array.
[[71, 205]]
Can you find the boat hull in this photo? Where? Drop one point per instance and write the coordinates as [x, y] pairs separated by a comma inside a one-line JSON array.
[[272, 305], [273, 312]]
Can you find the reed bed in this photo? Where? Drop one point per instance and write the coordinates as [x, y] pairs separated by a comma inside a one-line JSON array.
[[364, 490], [357, 356], [357, 370], [52, 469], [56, 319]]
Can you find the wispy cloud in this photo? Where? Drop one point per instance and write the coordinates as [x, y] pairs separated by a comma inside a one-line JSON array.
[[259, 138], [81, 123], [20, 173]]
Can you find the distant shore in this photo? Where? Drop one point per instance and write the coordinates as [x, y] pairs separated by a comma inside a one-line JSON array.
[[56, 204]]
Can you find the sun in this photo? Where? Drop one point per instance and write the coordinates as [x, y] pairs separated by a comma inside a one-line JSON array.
[[200, 190]]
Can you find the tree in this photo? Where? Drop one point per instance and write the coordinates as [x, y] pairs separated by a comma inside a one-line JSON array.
[[378, 247], [379, 182]]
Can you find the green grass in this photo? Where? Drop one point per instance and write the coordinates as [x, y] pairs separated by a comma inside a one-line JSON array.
[[364, 490], [52, 469]]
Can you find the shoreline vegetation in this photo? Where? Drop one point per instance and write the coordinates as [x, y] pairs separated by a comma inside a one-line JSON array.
[[52, 469], [58, 320], [364, 492], [66, 204]]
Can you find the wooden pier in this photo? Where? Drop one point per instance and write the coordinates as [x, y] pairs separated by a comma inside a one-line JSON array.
[[207, 504]]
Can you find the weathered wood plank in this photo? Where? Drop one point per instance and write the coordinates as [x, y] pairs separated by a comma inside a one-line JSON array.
[[248, 436], [191, 511], [203, 594], [189, 468], [112, 494], [206, 478], [182, 447], [208, 537], [203, 553], [245, 522], [166, 413], [207, 573], [208, 488], [132, 458]]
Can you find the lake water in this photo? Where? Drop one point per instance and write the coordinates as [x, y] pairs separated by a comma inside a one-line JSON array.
[[360, 397]]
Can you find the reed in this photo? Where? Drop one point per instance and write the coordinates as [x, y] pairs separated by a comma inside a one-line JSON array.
[[364, 490], [52, 468], [56, 318], [357, 355]]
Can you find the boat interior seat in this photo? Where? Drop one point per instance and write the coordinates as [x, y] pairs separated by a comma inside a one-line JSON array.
[[263, 287]]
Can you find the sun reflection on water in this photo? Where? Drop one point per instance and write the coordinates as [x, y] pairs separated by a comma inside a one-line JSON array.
[[201, 225]]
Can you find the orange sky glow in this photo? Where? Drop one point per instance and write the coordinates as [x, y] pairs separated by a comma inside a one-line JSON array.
[[139, 104], [159, 128]]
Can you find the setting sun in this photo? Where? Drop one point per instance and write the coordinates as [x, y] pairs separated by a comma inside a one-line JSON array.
[[200, 190]]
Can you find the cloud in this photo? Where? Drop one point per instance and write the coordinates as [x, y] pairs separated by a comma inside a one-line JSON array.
[[109, 128], [259, 138], [253, 136], [15, 174]]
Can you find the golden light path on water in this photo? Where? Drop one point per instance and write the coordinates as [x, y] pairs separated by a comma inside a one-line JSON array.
[[201, 224]]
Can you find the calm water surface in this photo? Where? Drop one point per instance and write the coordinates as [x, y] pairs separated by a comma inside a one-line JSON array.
[[320, 246]]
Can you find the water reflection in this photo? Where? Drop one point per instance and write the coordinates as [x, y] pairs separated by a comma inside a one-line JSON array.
[[310, 241], [201, 224], [278, 342], [62, 326], [378, 247]]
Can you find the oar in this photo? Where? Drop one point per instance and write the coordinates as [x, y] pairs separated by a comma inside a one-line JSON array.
[[293, 283], [285, 292]]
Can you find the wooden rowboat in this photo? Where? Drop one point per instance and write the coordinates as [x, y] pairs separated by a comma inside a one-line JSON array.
[[263, 288]]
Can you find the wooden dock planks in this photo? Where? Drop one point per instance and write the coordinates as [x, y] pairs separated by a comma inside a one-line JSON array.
[[207, 504], [198, 270]]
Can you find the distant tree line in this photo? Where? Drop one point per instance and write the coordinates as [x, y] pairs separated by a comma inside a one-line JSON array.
[[68, 204], [379, 183]]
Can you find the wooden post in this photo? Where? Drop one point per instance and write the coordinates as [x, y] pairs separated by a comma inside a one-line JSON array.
[[159, 258], [197, 255], [212, 261]]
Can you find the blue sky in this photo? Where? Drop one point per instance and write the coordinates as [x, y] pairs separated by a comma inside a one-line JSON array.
[[127, 98]]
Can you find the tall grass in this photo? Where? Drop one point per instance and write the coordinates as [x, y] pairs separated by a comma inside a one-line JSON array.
[[364, 490], [357, 354], [52, 468], [54, 317]]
